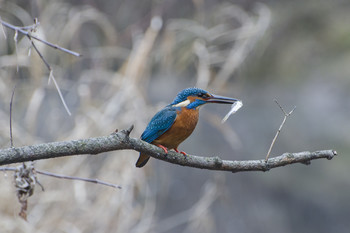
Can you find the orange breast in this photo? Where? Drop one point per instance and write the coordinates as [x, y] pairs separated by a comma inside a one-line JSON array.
[[183, 127]]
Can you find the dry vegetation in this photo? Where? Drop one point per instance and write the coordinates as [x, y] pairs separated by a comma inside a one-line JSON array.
[[105, 90], [133, 63]]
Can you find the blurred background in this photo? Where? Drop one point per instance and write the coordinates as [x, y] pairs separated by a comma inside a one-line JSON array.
[[136, 56]]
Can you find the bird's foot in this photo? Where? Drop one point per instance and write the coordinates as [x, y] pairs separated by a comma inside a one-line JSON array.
[[164, 148], [182, 152]]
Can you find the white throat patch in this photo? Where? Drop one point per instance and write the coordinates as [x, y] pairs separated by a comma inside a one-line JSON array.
[[183, 103]]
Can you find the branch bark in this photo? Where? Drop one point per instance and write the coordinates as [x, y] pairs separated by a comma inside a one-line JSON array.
[[122, 141]]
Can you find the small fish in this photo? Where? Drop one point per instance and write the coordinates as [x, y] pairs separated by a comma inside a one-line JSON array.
[[234, 108]]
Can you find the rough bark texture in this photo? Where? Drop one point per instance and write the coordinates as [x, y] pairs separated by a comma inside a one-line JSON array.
[[122, 141]]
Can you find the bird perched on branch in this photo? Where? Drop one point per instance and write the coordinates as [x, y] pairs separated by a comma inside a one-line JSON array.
[[174, 123]]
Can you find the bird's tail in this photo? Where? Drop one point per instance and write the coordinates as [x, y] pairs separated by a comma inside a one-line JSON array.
[[143, 159]]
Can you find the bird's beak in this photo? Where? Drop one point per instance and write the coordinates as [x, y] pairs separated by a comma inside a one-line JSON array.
[[221, 100]]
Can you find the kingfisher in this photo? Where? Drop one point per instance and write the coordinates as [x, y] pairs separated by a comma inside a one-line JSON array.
[[176, 122]]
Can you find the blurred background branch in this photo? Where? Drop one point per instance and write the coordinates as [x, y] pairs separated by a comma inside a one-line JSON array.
[[27, 30]]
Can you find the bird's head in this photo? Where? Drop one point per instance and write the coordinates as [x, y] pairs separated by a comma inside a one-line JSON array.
[[193, 98]]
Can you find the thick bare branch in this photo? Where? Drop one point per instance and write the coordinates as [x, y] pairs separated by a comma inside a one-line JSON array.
[[122, 141]]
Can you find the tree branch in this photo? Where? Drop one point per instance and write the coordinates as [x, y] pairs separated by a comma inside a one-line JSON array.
[[24, 31], [286, 115], [122, 141], [95, 181]]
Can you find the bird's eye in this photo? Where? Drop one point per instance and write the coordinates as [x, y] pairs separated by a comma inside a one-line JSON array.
[[201, 95]]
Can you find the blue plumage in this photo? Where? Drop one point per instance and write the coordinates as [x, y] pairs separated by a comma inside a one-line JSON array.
[[165, 118], [173, 124], [182, 95], [159, 124]]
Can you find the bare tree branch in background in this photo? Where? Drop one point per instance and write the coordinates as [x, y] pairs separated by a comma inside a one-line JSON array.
[[122, 141], [27, 31], [24, 31], [109, 85], [95, 181]]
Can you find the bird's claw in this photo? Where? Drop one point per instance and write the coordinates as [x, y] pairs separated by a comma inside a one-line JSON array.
[[164, 148], [182, 152]]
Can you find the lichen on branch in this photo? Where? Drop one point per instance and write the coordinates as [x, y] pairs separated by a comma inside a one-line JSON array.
[[122, 141]]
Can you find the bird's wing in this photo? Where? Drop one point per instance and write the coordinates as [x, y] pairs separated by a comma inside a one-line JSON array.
[[159, 124]]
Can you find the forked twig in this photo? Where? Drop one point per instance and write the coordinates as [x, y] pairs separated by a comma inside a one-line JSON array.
[[280, 128], [51, 77], [39, 53], [27, 32]]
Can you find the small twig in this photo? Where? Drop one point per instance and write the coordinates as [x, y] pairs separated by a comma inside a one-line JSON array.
[[96, 181], [40, 55], [280, 128], [5, 169], [128, 131], [13, 93], [24, 32], [51, 77]]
